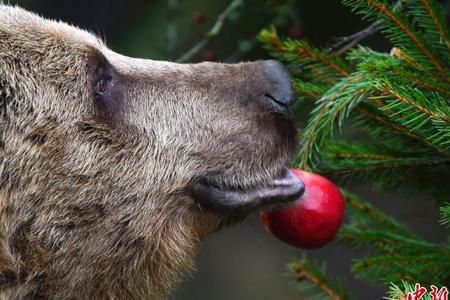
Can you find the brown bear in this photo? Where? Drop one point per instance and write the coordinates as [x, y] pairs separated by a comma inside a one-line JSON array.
[[113, 169]]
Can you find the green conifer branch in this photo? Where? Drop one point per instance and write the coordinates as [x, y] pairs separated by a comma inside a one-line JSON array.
[[424, 81], [385, 65], [438, 20], [434, 109], [306, 51], [347, 166], [308, 90], [386, 168], [398, 257], [401, 55], [307, 62], [332, 109], [312, 280], [380, 127], [390, 243], [272, 42], [428, 16], [345, 158], [424, 114], [445, 215], [425, 268], [399, 254], [364, 215], [401, 100], [402, 33]]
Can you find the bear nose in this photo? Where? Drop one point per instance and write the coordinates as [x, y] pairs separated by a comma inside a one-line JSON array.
[[279, 95]]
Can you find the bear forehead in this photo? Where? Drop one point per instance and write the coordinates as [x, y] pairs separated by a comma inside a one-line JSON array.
[[19, 22], [36, 32]]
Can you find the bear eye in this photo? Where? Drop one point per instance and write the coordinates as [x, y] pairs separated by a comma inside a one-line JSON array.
[[105, 87], [101, 86]]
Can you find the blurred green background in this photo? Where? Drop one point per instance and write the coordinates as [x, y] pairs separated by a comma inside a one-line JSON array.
[[243, 262]]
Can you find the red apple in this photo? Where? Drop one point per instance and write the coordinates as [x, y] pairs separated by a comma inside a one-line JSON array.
[[311, 221]]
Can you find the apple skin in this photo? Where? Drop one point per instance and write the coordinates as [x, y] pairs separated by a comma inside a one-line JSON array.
[[311, 221]]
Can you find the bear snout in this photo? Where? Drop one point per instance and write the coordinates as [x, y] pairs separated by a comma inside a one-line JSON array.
[[279, 95]]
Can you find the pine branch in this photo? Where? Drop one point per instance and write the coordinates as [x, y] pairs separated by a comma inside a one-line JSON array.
[[391, 78], [397, 53], [306, 62], [427, 115], [437, 19], [307, 89], [379, 133], [426, 268], [347, 157], [365, 215], [400, 93], [386, 168], [333, 108], [402, 33], [401, 101], [429, 17], [389, 243], [397, 253], [399, 65], [313, 279], [271, 41], [322, 57], [424, 81], [445, 215], [398, 257], [312, 132], [382, 8]]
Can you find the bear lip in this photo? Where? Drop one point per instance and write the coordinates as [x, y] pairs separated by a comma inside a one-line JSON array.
[[282, 189]]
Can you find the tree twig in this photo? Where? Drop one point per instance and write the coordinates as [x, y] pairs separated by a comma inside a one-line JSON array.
[[304, 274], [347, 42], [214, 31]]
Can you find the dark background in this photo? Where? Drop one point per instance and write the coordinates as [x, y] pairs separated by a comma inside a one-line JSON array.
[[243, 262]]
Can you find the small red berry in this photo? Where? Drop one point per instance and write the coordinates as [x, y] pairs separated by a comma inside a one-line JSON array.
[[209, 55], [296, 32], [311, 221], [199, 17]]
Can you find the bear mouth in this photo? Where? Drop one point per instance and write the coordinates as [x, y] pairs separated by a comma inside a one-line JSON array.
[[212, 196]]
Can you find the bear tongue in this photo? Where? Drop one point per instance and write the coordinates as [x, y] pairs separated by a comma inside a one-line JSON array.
[[285, 188]]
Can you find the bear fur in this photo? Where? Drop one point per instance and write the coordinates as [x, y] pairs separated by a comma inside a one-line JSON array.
[[97, 154]]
